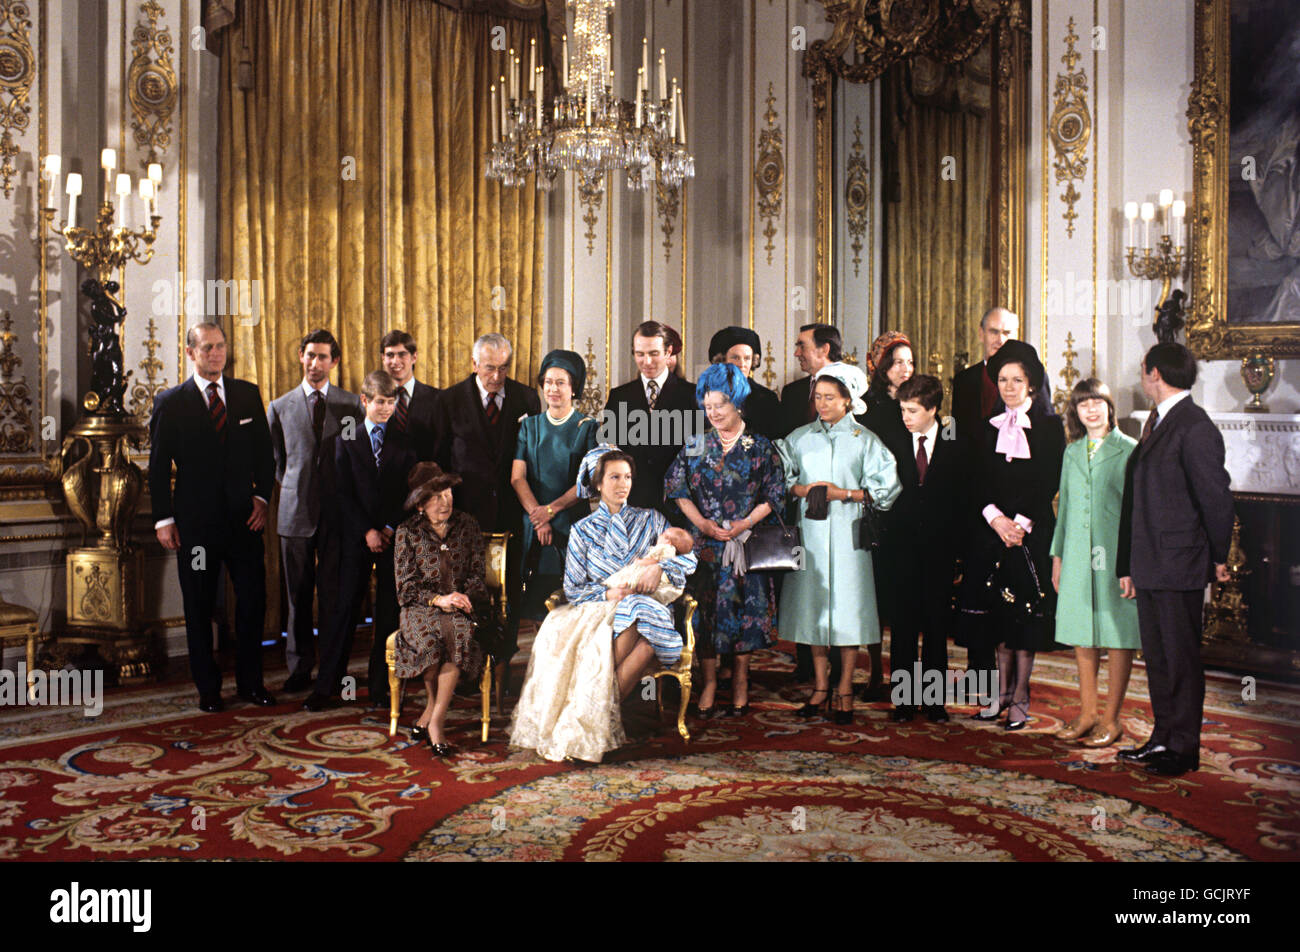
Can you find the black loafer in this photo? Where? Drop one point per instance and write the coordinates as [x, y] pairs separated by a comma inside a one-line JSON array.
[[258, 697], [211, 704], [902, 714], [315, 702], [1140, 755], [298, 682], [1168, 763], [935, 715]]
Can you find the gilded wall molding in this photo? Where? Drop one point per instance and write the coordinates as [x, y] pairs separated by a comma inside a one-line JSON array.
[[1070, 127], [17, 431], [590, 192], [666, 206], [144, 391], [769, 172], [151, 83], [17, 73], [857, 195]]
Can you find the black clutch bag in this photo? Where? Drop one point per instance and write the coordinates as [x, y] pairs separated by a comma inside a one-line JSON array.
[[1014, 583], [776, 548], [870, 528]]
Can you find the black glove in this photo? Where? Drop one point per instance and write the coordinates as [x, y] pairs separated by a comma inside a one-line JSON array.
[[818, 506]]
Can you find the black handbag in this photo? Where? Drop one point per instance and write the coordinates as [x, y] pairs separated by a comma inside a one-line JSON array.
[[776, 548], [871, 530], [1015, 583]]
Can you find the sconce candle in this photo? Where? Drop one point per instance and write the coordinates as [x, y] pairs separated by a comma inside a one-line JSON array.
[[108, 162], [1148, 213], [73, 190], [123, 192], [147, 196], [1131, 213], [1179, 212], [663, 74], [155, 176]]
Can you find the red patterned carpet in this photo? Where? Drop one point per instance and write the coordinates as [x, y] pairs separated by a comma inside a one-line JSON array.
[[153, 778]]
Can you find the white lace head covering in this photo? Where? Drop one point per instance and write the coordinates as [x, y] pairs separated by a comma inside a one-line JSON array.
[[852, 378]]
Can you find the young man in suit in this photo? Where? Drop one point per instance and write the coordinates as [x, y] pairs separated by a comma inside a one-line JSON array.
[[303, 421], [416, 401], [477, 422], [920, 547], [1174, 532], [370, 472], [214, 429], [645, 400], [816, 346]]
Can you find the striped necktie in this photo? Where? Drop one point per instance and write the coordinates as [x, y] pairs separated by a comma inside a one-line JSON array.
[[492, 410], [217, 409], [1150, 425], [377, 442], [399, 415]]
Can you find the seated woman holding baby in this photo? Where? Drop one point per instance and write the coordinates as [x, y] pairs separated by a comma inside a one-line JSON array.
[[623, 570]]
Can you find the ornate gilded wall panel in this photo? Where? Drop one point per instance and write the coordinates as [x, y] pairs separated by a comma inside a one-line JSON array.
[[769, 172], [151, 83], [1070, 127], [17, 73]]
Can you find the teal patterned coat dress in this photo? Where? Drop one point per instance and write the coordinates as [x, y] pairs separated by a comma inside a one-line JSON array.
[[1089, 610], [832, 599]]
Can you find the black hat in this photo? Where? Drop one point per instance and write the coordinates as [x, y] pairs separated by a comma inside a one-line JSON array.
[[1018, 352], [729, 337]]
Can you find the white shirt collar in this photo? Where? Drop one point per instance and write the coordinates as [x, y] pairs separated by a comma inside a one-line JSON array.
[[482, 393], [307, 389], [930, 437], [645, 381], [371, 424], [409, 387], [1167, 404], [202, 384]]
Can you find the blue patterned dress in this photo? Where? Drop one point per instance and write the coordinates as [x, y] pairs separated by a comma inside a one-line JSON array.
[[737, 612], [605, 542]]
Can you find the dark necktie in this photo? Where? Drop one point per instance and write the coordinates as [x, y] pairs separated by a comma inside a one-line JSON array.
[[922, 464], [218, 411], [399, 415], [377, 442], [492, 410], [651, 393], [317, 413], [988, 396], [1149, 425]]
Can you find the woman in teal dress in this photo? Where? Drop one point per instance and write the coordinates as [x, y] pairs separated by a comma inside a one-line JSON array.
[[726, 482], [549, 450], [835, 465], [1091, 614]]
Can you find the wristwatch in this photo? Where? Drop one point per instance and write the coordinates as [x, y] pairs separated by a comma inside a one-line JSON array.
[[550, 511]]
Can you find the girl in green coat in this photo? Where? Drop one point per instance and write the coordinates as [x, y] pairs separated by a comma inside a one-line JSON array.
[[1091, 612]]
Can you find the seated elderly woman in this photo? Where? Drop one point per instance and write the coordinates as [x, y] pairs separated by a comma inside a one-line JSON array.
[[441, 588], [591, 652]]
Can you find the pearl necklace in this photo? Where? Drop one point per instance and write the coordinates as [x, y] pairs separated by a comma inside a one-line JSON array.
[[727, 444], [565, 419]]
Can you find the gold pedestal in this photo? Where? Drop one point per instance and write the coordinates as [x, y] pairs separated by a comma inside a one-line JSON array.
[[105, 588]]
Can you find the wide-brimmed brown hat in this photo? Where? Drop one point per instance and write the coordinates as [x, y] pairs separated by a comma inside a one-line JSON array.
[[426, 480]]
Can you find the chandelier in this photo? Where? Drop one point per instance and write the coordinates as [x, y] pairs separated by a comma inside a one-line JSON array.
[[588, 129]]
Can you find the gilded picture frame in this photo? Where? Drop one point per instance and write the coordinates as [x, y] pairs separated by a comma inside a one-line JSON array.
[[1211, 335]]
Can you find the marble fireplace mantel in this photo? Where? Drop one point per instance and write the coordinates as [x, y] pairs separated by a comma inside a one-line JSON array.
[[1262, 450]]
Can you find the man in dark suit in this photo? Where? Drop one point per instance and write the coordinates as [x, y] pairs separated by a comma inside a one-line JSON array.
[[214, 429], [742, 347], [416, 401], [370, 472], [974, 396], [1175, 528], [652, 418], [919, 548], [816, 346], [303, 423], [477, 422]]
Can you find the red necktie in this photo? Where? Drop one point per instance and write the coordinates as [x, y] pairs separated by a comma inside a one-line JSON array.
[[988, 396], [922, 464], [400, 415], [1149, 425], [218, 411], [492, 410], [317, 413]]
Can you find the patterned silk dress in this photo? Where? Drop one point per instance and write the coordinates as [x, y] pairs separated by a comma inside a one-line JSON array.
[[605, 542], [737, 613], [427, 567]]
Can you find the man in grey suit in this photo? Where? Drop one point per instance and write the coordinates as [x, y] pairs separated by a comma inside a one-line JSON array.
[[304, 422], [1175, 528]]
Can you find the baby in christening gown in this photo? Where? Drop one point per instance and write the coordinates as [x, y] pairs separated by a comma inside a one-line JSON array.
[[671, 542], [569, 706]]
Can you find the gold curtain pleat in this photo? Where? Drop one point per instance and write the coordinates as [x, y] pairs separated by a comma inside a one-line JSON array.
[[465, 254], [937, 277]]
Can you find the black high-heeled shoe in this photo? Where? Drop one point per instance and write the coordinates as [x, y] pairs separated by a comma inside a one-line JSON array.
[[418, 733], [844, 717], [812, 710], [1003, 707], [1018, 723]]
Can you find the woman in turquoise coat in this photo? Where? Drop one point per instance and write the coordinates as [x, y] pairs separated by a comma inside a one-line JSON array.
[[1091, 614], [834, 465]]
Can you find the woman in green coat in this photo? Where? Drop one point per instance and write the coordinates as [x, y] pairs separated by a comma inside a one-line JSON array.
[[1091, 614], [835, 466]]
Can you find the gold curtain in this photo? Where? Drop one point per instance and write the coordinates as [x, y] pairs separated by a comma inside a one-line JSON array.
[[937, 273], [465, 254], [342, 103]]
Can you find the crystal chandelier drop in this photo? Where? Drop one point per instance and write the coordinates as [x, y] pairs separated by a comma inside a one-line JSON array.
[[588, 129]]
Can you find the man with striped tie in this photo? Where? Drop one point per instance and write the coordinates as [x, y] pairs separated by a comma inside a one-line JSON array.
[[214, 429], [416, 401]]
